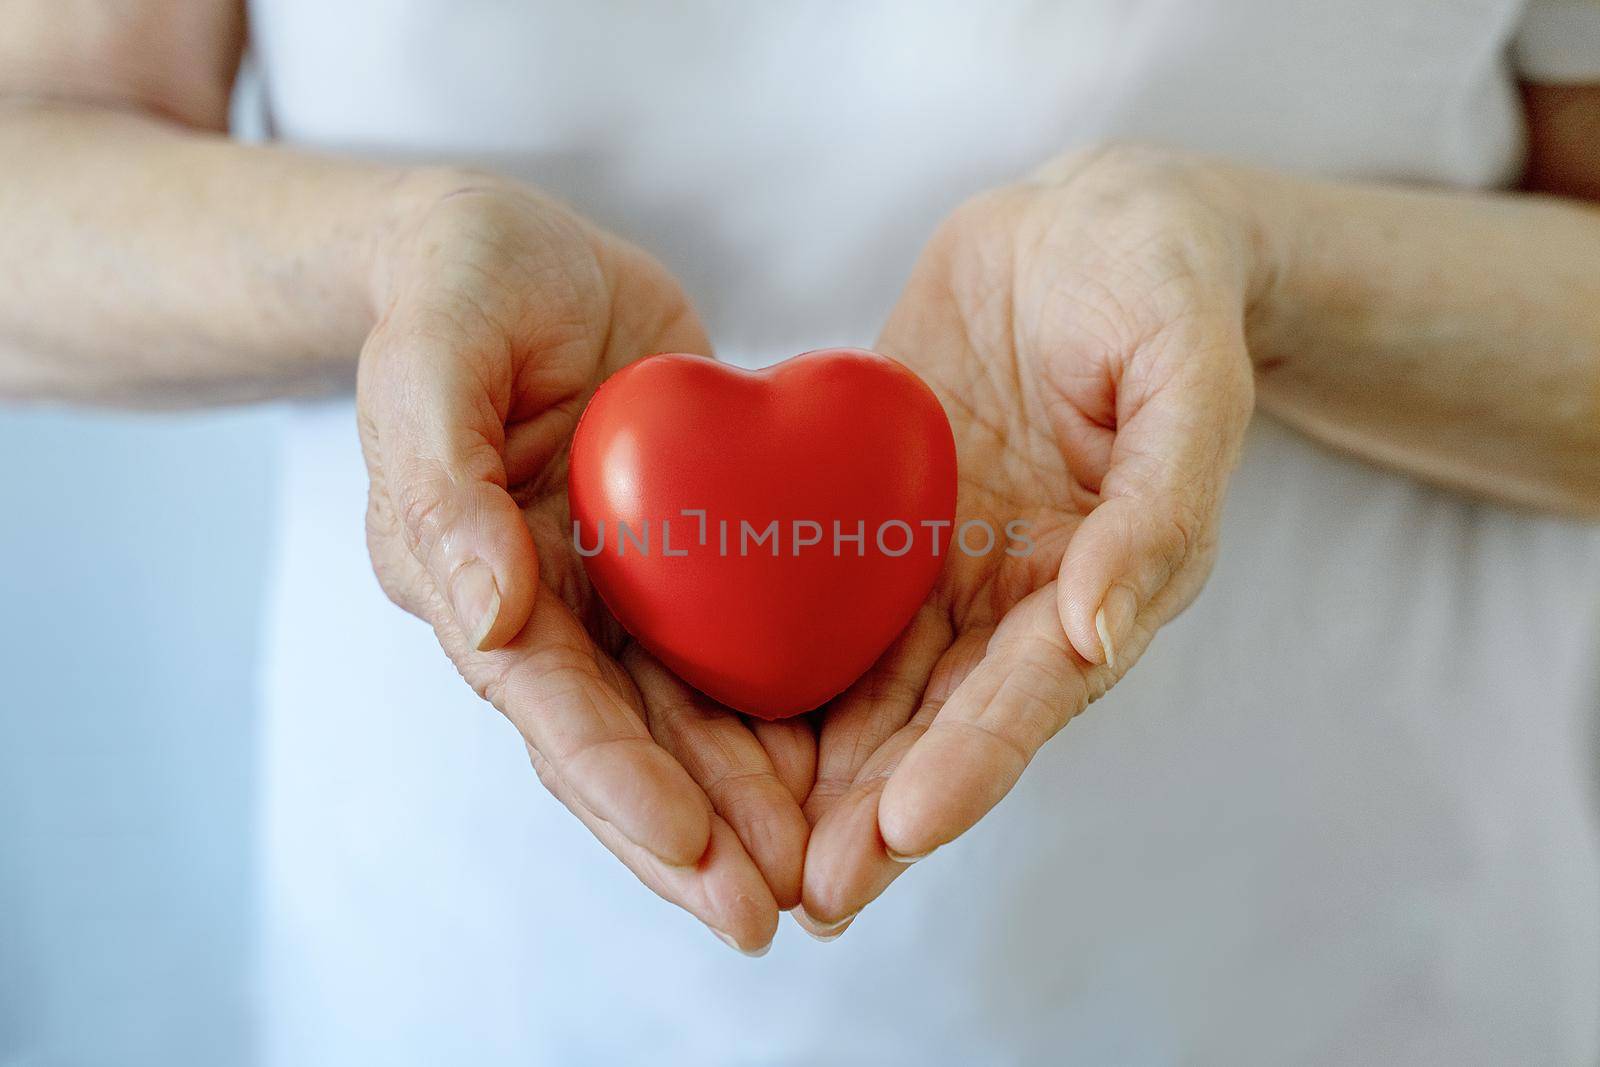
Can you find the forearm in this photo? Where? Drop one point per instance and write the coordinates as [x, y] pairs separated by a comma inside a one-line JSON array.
[[1453, 335], [145, 263]]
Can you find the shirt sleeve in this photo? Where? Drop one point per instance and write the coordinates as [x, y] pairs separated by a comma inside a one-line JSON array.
[[1559, 41]]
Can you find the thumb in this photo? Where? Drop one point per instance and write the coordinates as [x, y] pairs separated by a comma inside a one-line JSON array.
[[434, 433], [1143, 553]]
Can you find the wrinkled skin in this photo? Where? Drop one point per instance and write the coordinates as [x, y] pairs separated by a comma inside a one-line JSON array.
[[500, 314], [1084, 332]]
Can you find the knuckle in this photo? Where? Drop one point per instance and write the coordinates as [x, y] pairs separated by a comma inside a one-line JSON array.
[[478, 460], [742, 793], [1000, 744], [1185, 541], [545, 772], [395, 579], [491, 683], [1180, 533], [829, 787], [492, 676], [421, 511]]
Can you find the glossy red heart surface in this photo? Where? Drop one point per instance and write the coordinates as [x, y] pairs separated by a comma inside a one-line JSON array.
[[766, 534]]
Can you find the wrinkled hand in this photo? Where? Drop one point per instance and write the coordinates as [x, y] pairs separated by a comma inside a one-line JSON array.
[[1085, 334], [501, 313]]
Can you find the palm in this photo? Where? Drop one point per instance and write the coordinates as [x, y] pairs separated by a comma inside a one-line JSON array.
[[507, 319], [1031, 354]]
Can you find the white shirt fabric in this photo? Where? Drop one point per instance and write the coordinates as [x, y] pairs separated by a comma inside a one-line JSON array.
[[1344, 811]]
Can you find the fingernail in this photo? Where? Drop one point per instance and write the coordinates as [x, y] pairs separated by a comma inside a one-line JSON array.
[[909, 857], [475, 598], [820, 931], [727, 939], [1114, 621]]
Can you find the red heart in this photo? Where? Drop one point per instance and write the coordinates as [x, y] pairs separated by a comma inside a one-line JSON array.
[[835, 436]]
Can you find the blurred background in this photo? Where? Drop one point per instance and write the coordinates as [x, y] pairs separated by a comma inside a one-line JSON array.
[[127, 726], [139, 550]]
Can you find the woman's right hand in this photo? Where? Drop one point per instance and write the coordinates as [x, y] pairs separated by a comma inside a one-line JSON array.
[[499, 313]]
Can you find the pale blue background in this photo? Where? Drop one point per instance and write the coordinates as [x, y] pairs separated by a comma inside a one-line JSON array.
[[135, 550]]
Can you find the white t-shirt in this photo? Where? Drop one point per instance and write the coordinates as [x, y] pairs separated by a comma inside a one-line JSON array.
[[1343, 812]]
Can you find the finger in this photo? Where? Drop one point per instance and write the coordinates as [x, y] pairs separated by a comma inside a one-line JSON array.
[[533, 444], [723, 889], [791, 745], [866, 724], [580, 712], [817, 930], [1027, 686], [1140, 556], [724, 757], [878, 704], [434, 396], [848, 863]]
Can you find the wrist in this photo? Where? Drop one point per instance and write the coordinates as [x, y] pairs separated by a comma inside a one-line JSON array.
[[1204, 201], [1242, 198], [408, 198], [1252, 201]]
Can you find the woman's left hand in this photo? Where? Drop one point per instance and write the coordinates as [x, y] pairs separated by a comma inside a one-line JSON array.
[[1085, 333]]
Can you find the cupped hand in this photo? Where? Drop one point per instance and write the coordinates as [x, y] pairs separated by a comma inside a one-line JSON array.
[[500, 313], [1084, 332]]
